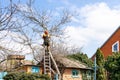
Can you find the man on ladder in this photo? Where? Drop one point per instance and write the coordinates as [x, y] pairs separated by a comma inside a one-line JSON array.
[[46, 44], [46, 38]]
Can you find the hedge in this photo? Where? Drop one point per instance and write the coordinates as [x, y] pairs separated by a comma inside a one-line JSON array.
[[25, 76]]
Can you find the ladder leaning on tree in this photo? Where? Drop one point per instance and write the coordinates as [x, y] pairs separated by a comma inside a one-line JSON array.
[[48, 57]]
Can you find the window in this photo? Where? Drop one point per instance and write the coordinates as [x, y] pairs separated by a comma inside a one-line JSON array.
[[89, 75], [115, 47], [75, 73], [35, 69]]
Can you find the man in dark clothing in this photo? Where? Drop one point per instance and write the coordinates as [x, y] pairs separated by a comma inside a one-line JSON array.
[[46, 38]]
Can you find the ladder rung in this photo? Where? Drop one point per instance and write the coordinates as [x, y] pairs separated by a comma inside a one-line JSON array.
[[47, 53], [47, 60], [47, 64], [47, 57], [47, 69]]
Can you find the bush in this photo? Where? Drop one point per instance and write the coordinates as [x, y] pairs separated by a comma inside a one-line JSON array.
[[11, 76], [112, 65], [25, 76]]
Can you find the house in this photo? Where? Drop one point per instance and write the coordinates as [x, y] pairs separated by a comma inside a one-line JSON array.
[[111, 45], [11, 62], [71, 69], [14, 61], [24, 65], [17, 63]]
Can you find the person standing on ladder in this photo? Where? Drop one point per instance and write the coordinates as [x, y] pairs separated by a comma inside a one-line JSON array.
[[46, 38]]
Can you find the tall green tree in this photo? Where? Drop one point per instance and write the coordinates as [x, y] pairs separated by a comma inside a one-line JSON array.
[[100, 65], [112, 65]]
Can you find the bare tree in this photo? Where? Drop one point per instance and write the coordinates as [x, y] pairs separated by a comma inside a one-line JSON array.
[[29, 24], [36, 22], [7, 12]]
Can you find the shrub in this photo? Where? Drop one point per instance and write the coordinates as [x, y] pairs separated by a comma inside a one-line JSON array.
[[11, 76], [25, 76]]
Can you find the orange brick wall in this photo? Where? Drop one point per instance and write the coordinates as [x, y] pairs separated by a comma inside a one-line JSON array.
[[28, 69], [107, 47], [68, 75]]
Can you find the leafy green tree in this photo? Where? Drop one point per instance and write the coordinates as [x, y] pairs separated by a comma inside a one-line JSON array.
[[82, 58], [100, 65], [112, 65]]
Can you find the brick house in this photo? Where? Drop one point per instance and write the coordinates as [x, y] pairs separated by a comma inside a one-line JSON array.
[[111, 45], [71, 69]]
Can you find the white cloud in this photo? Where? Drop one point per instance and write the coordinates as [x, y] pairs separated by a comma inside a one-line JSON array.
[[75, 20], [101, 16], [98, 21]]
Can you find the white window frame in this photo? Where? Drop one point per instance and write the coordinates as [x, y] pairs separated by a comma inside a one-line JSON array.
[[76, 73], [117, 42]]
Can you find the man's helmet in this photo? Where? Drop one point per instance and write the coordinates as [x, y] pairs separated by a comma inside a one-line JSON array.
[[46, 32]]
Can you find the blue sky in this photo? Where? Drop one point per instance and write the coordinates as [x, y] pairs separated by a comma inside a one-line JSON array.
[[96, 20], [53, 4]]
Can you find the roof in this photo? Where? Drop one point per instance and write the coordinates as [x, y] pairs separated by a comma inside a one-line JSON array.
[[17, 57], [31, 65], [110, 36], [108, 39], [3, 65], [70, 63], [27, 62]]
